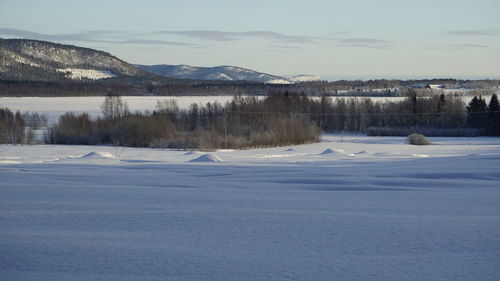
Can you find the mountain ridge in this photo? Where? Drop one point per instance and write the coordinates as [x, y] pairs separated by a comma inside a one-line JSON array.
[[35, 60], [222, 72]]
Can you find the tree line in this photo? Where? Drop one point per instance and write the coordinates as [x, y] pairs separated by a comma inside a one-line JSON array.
[[281, 118], [245, 122], [17, 128]]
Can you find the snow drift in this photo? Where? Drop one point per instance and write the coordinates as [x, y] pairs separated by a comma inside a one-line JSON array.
[[208, 158]]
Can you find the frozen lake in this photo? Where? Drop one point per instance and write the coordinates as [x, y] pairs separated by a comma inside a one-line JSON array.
[[54, 107], [348, 208]]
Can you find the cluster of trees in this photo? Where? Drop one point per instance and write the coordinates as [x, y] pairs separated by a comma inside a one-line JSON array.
[[243, 123], [164, 86], [65, 89], [281, 118], [17, 128], [485, 117], [11, 127], [132, 86], [359, 114]]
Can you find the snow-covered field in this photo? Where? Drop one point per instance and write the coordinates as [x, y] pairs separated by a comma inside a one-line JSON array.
[[348, 208]]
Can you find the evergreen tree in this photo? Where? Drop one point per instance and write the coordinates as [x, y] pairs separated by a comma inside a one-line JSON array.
[[477, 116], [494, 116]]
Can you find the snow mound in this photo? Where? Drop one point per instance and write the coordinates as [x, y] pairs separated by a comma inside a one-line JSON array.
[[362, 152], [98, 155], [208, 158], [333, 151], [290, 150]]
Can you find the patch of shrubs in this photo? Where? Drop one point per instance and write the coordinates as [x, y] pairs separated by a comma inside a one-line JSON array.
[[418, 139]]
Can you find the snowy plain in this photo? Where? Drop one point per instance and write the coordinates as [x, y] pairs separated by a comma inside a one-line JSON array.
[[348, 208]]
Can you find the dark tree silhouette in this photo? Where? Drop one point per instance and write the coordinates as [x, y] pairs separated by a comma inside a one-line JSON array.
[[494, 116], [477, 115]]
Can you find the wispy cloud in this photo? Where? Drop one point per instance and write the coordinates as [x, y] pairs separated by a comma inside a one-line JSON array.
[[225, 36], [371, 43], [83, 36], [216, 35], [287, 47], [458, 46], [277, 41], [470, 32], [467, 45], [95, 36], [154, 42]]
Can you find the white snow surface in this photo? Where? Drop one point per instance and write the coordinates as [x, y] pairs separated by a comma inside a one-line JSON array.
[[94, 74], [303, 78], [333, 151], [99, 155], [278, 81], [379, 211]]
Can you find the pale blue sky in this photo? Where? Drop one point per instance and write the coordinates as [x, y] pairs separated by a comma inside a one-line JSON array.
[[333, 39]]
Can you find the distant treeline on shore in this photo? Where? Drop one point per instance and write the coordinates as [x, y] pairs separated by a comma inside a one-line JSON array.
[[281, 118], [134, 86]]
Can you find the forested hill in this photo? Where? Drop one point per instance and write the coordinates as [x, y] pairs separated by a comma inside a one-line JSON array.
[[39, 68], [33, 60], [224, 73]]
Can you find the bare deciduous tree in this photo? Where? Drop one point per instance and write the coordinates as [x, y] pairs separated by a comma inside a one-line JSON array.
[[114, 107]]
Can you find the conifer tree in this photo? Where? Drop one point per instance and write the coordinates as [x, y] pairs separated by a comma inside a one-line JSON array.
[[477, 115], [494, 116]]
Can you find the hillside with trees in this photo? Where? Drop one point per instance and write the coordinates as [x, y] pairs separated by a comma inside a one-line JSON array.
[[40, 68]]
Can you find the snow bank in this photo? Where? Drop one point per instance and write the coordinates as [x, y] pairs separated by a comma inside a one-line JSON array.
[[208, 158], [98, 155], [333, 151]]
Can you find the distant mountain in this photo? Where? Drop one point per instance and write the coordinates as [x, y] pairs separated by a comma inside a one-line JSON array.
[[303, 78], [224, 72], [33, 60]]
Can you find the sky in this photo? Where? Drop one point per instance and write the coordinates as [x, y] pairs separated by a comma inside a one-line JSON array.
[[356, 39]]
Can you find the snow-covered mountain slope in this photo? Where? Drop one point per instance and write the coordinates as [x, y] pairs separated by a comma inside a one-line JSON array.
[[30, 60], [224, 72], [93, 74], [303, 78]]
